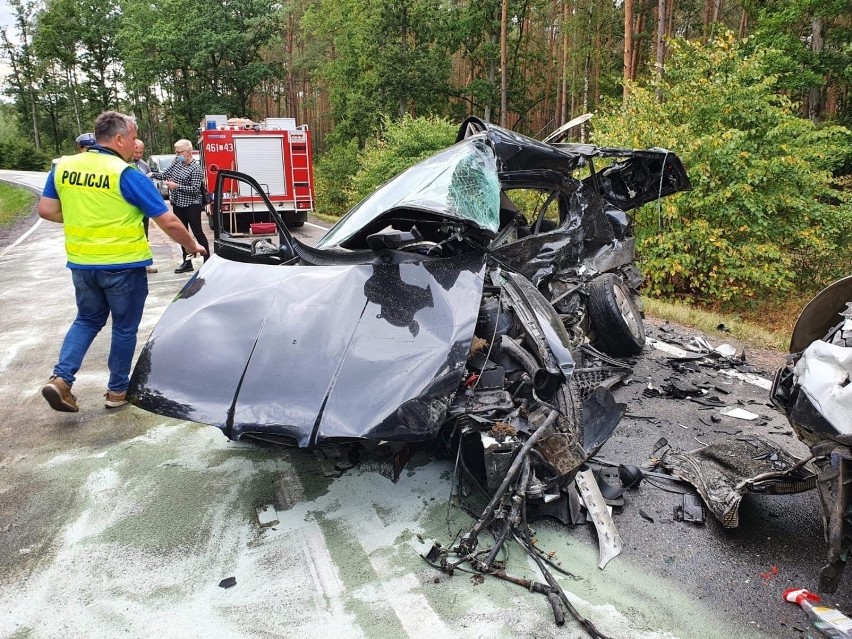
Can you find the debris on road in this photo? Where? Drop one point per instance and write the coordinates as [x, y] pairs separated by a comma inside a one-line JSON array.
[[691, 510], [829, 621], [724, 471], [739, 413], [267, 516]]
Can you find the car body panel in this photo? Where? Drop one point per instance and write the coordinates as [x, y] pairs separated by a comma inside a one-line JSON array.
[[820, 314], [641, 175], [314, 353]]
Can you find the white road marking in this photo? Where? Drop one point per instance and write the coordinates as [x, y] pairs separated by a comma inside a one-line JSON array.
[[22, 238]]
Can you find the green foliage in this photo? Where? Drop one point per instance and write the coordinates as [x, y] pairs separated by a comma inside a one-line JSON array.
[[15, 203], [387, 58], [333, 176], [20, 155], [785, 29], [402, 144], [344, 178], [9, 127], [765, 214]]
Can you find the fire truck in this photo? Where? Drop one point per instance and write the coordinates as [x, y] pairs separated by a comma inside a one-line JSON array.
[[276, 153]]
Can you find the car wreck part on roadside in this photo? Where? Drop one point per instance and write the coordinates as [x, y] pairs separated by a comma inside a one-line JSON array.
[[738, 413], [725, 471], [228, 582], [830, 622], [691, 510], [814, 391], [834, 469], [609, 541], [505, 515], [594, 369]]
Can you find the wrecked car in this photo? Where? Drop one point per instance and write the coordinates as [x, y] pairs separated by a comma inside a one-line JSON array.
[[570, 237], [449, 306], [814, 391], [435, 306]]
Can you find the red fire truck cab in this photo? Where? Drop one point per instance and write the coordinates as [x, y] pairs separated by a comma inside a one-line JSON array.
[[275, 152]]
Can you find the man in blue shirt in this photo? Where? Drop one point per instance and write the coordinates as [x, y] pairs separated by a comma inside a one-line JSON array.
[[101, 199]]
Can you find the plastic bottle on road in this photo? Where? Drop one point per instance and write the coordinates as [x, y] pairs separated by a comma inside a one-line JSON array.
[[832, 623]]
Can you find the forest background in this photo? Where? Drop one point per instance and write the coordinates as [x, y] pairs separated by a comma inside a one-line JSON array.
[[755, 96]]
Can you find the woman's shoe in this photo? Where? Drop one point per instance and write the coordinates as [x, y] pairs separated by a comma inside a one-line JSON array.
[[186, 267]]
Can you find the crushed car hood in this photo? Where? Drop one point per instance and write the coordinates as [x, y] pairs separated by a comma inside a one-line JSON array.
[[306, 354]]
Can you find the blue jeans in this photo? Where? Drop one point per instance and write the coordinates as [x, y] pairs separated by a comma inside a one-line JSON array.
[[100, 293]]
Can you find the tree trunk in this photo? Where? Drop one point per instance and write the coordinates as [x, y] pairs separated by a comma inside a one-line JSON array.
[[670, 10], [566, 42], [504, 19], [551, 89], [814, 94], [403, 98], [661, 42], [628, 45], [492, 72], [637, 50], [743, 30], [72, 95]]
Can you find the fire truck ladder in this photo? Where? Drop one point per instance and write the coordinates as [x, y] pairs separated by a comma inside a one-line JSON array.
[[300, 172]]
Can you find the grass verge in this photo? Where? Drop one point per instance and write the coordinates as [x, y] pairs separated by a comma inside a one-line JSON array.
[[15, 203], [331, 220], [708, 321]]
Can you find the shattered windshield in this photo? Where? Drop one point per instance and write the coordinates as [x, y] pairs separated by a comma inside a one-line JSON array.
[[459, 182]]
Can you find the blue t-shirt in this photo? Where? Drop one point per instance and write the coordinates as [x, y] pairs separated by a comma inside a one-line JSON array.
[[136, 188]]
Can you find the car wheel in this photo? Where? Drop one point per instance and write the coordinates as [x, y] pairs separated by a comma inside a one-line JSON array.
[[615, 318]]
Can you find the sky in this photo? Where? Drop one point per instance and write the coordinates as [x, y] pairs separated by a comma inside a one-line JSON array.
[[6, 20]]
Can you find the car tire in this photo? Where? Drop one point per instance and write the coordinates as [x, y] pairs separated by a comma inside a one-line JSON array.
[[615, 317]]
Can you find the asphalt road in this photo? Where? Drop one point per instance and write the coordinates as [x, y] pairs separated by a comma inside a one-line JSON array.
[[124, 523]]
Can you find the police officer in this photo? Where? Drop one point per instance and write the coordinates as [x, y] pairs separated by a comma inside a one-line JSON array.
[[101, 199], [85, 141]]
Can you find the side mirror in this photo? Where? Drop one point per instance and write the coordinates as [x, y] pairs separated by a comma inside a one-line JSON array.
[[260, 247], [263, 247]]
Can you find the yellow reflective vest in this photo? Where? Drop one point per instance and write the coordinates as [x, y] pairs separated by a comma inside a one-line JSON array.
[[101, 227]]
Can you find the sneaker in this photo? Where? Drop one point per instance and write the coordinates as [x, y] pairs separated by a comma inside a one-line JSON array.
[[115, 400], [57, 392], [151, 269], [186, 267]]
